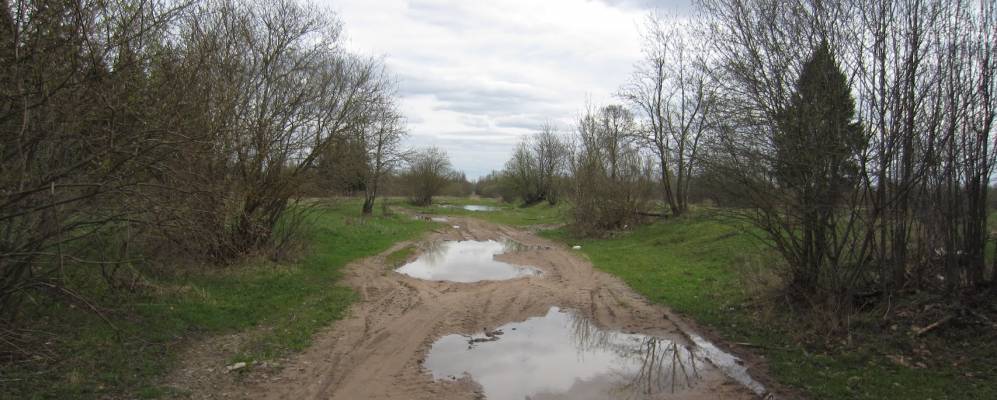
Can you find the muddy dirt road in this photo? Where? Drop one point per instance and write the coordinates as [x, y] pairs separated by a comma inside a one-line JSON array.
[[378, 350]]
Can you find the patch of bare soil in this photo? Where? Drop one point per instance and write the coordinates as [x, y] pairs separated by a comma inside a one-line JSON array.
[[377, 350]]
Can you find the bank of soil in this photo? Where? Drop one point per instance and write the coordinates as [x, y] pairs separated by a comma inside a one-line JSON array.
[[377, 350]]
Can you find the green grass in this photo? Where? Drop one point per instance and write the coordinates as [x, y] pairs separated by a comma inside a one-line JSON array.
[[287, 302], [698, 267], [398, 257], [507, 214]]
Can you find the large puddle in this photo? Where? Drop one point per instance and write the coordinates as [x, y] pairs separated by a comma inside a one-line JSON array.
[[466, 261], [563, 356]]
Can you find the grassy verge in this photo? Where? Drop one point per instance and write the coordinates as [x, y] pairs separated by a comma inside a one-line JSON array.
[[81, 356], [697, 265]]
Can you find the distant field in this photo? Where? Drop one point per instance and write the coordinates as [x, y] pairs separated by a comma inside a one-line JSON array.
[[90, 359]]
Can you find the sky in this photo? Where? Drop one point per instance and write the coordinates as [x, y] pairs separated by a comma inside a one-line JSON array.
[[476, 76]]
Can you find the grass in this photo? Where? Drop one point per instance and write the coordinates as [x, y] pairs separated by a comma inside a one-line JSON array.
[[398, 257], [698, 265], [87, 358]]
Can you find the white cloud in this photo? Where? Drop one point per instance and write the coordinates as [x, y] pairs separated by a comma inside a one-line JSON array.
[[476, 75]]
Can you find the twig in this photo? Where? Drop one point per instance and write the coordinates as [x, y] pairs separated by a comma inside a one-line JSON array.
[[936, 324]]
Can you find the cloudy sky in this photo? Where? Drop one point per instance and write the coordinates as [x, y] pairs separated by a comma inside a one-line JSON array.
[[474, 76]]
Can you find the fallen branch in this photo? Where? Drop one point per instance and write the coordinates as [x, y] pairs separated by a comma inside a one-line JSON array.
[[933, 326]]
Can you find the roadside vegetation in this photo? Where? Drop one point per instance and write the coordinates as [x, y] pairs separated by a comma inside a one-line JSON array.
[[125, 350], [718, 271], [157, 164], [708, 268]]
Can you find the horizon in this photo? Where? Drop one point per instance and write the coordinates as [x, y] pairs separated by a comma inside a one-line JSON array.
[[475, 78]]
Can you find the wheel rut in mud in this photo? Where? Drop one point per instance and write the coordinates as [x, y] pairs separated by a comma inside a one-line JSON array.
[[562, 331]]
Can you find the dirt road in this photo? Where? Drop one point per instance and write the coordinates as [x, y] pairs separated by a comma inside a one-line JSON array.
[[377, 351]]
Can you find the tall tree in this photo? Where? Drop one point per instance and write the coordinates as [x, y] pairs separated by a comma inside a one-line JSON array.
[[671, 92], [381, 139], [817, 146]]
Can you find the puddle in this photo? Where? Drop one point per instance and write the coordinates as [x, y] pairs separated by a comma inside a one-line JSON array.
[[563, 356], [466, 261], [470, 207], [730, 365], [474, 207], [421, 217]]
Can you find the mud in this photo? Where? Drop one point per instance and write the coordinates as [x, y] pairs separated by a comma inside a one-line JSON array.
[[379, 349]]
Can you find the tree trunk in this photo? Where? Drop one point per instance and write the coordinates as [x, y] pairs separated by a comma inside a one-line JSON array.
[[368, 205]]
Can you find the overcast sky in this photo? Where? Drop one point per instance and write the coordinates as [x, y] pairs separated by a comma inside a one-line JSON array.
[[474, 76]]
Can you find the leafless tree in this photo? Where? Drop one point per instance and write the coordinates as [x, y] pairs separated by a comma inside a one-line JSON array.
[[429, 171], [611, 179], [188, 128], [381, 138], [536, 166], [74, 138], [672, 93]]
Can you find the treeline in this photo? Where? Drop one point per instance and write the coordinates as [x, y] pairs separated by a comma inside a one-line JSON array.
[[136, 132], [855, 135]]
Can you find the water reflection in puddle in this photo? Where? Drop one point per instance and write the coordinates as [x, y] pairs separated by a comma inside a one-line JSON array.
[[562, 356], [474, 207], [470, 207], [466, 261]]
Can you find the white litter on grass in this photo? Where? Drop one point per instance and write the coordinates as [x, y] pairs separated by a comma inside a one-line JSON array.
[[456, 226], [576, 247], [236, 366]]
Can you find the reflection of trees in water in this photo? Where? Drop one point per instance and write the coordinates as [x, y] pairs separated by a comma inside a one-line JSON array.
[[664, 365], [659, 365], [512, 246], [435, 252]]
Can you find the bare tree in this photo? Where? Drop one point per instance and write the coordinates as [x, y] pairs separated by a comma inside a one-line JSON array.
[[536, 166], [429, 171], [671, 91], [188, 128], [611, 179], [75, 138], [381, 137]]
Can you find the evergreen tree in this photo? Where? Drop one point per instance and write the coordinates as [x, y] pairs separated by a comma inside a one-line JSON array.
[[816, 156]]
